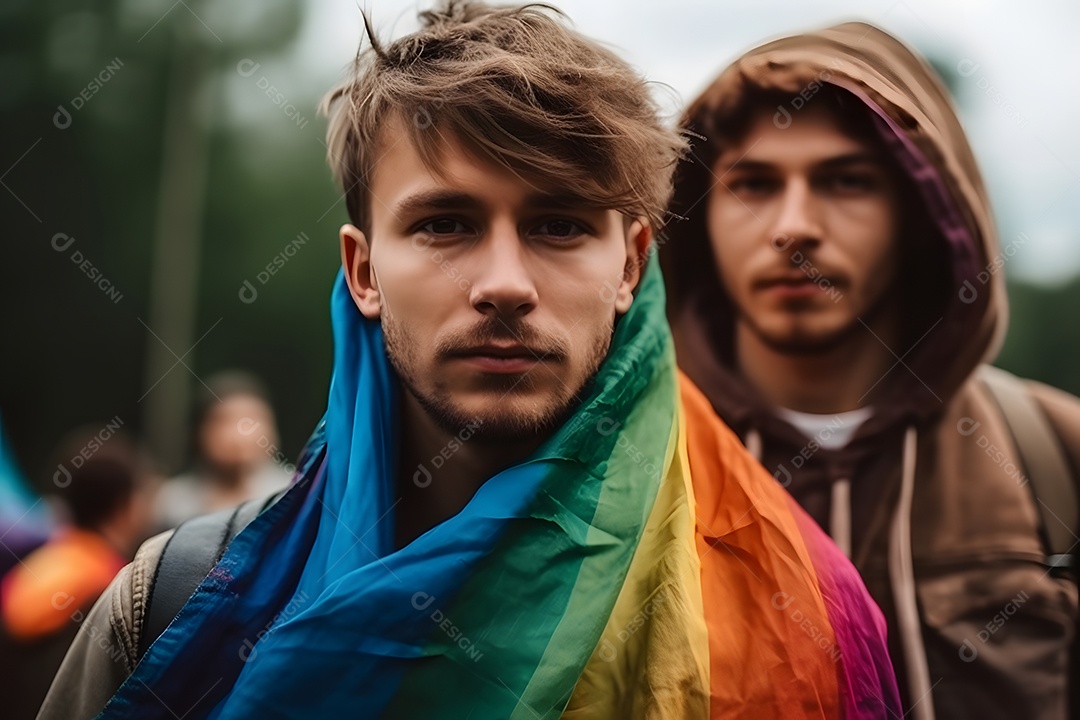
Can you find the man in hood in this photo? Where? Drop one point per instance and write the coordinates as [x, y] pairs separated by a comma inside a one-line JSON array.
[[834, 290], [515, 506]]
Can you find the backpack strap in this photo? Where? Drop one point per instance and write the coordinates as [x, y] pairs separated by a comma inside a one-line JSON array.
[[1052, 484], [190, 554]]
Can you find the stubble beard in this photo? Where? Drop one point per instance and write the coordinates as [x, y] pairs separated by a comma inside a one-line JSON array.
[[802, 341], [504, 421]]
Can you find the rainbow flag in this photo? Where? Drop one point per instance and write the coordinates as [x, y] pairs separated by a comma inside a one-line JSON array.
[[25, 522], [639, 564]]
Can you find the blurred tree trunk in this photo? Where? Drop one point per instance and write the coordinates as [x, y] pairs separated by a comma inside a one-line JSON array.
[[177, 247]]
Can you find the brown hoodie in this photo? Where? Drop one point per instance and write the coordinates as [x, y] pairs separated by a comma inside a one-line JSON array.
[[943, 526]]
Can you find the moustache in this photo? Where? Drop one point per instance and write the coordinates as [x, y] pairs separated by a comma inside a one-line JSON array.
[[495, 331]]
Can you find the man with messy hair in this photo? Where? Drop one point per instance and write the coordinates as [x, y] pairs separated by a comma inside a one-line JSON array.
[[834, 292], [497, 516]]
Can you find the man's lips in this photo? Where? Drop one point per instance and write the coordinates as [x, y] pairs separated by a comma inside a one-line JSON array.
[[800, 284], [497, 358]]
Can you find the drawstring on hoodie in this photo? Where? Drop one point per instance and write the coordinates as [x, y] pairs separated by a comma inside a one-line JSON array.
[[840, 515], [753, 443], [840, 511], [902, 577]]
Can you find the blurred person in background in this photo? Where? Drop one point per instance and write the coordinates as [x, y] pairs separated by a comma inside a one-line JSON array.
[[103, 492], [236, 452], [835, 290]]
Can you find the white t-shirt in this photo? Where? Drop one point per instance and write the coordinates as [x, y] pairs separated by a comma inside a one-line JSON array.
[[830, 431]]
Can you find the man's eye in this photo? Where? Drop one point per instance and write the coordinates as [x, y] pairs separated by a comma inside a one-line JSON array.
[[851, 182], [560, 229], [445, 226], [751, 185]]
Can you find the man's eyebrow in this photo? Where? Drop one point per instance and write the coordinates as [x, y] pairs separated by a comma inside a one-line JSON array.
[[855, 158], [429, 200], [745, 165], [832, 163], [560, 201], [436, 200]]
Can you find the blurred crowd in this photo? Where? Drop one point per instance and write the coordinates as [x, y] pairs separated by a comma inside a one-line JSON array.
[[62, 549]]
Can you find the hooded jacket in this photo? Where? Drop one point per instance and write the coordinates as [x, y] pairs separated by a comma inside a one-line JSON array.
[[941, 521]]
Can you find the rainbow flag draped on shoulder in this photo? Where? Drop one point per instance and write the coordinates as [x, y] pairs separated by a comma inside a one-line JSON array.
[[639, 565]]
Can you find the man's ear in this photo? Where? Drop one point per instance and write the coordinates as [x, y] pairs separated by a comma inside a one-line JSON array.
[[638, 244], [356, 262]]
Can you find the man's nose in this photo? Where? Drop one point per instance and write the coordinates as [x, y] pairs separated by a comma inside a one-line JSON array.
[[502, 284], [798, 222]]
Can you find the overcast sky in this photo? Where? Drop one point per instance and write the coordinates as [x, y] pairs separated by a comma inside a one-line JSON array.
[[1020, 105]]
